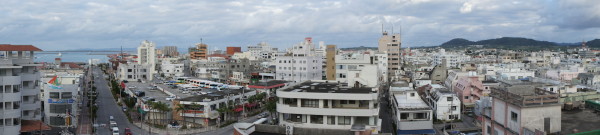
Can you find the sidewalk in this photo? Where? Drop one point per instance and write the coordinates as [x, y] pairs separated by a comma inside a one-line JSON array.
[[85, 125]]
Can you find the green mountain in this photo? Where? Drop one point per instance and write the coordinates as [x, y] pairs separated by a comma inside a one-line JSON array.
[[513, 43]]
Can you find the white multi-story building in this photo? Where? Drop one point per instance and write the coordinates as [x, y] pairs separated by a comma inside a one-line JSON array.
[[19, 87], [321, 104], [262, 50], [359, 70], [172, 70], [61, 101], [133, 72], [300, 64], [445, 103], [205, 111], [452, 60], [410, 113], [147, 56]]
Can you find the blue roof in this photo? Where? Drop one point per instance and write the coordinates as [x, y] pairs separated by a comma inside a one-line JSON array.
[[422, 131]]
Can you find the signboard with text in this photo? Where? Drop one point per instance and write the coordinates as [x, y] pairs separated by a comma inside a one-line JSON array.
[[55, 101]]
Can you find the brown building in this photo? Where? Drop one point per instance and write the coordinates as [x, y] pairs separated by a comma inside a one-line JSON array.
[[233, 50], [391, 45], [331, 51], [199, 52]]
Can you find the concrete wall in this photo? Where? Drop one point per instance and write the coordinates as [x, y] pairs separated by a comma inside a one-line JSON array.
[[499, 110], [533, 118], [301, 131]]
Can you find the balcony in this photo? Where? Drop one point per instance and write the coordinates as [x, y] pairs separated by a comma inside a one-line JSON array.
[[10, 80], [11, 113], [282, 108], [30, 76], [415, 125], [29, 92], [30, 105], [10, 97]]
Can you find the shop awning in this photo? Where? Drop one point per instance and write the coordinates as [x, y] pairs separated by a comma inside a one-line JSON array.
[[238, 109], [250, 104], [410, 132]]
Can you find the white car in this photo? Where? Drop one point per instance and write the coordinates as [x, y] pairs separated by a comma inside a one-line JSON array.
[[170, 98], [115, 131]]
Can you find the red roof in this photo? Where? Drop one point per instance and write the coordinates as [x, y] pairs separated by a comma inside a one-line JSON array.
[[70, 65], [8, 47], [33, 125], [265, 87], [56, 58]]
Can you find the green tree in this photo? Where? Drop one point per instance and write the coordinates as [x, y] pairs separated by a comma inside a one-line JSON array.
[[271, 106]]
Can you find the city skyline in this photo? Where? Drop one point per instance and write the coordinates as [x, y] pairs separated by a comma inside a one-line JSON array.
[[111, 24]]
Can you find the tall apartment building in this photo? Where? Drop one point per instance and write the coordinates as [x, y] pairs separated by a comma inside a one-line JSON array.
[[321, 104], [19, 88], [199, 52], [170, 51], [300, 64], [147, 56], [233, 50], [391, 44], [330, 51]]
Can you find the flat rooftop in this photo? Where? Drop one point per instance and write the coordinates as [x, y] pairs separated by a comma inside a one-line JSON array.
[[158, 95], [213, 94], [325, 87], [404, 102], [581, 119]]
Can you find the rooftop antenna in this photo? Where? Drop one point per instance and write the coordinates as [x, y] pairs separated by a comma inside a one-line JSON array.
[[381, 27], [392, 28]]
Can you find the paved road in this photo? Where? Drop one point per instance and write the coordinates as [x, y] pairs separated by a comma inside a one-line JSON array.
[[385, 112], [108, 107]]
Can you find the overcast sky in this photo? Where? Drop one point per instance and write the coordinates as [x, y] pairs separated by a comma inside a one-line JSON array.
[[74, 24]]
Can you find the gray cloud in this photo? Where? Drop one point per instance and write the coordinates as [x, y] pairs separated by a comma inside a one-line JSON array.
[[67, 24]]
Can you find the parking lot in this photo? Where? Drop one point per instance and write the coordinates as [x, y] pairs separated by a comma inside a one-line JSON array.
[[158, 95]]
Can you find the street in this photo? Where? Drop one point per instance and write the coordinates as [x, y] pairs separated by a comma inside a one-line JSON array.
[[107, 106]]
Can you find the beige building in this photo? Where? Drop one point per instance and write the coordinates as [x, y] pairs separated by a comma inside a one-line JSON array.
[[331, 51], [199, 52], [391, 45]]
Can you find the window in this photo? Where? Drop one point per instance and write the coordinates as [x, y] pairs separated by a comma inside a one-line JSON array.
[[453, 108], [452, 117], [449, 98], [66, 95], [412, 94], [352, 102], [310, 103], [420, 116], [344, 120], [54, 95], [466, 97], [513, 116], [129, 70], [58, 108], [489, 130], [331, 120], [403, 116], [343, 101], [316, 119]]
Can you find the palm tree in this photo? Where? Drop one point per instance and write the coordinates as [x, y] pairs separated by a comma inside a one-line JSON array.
[[163, 108], [181, 108]]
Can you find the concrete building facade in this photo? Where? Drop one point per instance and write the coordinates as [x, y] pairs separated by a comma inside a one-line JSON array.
[[391, 45], [19, 87]]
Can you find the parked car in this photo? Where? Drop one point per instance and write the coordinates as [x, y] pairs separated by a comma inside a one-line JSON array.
[[124, 109], [128, 131], [115, 131], [262, 115], [170, 98]]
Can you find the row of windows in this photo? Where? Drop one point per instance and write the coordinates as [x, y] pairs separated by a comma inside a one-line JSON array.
[[331, 120], [294, 61], [294, 68], [61, 95]]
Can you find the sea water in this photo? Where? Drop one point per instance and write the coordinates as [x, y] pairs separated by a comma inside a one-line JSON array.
[[72, 56]]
